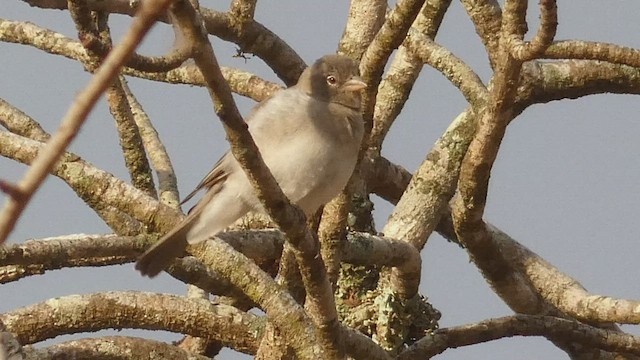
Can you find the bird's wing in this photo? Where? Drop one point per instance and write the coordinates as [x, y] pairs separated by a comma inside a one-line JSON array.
[[219, 172], [217, 175]]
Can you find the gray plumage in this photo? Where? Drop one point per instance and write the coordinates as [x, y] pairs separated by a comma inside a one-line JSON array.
[[309, 136]]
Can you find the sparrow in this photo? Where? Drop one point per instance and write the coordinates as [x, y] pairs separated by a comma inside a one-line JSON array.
[[309, 136]]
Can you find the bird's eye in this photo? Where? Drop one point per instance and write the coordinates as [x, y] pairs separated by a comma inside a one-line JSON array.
[[331, 80]]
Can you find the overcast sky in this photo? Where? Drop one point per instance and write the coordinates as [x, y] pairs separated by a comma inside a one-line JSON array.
[[565, 183]]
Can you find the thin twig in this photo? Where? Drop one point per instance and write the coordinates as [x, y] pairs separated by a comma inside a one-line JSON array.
[[241, 82], [133, 150], [157, 153]]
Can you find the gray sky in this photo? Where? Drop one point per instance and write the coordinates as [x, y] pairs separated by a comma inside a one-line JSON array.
[[565, 183]]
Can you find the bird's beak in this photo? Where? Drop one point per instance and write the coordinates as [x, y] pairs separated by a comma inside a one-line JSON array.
[[354, 84]]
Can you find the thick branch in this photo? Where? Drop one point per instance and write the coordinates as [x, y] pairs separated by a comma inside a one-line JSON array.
[[112, 347], [118, 310], [561, 291], [365, 19], [280, 307], [243, 9], [486, 16], [587, 50], [468, 208]]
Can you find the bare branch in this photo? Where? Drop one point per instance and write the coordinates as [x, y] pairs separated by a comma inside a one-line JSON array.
[[468, 208], [112, 347], [252, 37], [92, 312], [390, 36], [454, 69], [543, 38], [10, 348], [280, 307], [572, 79], [243, 10], [486, 16], [561, 291], [418, 211], [19, 123], [71, 251], [365, 19], [135, 156], [157, 153], [332, 233], [12, 190], [521, 325], [403, 71], [359, 346], [241, 82], [587, 50], [399, 254]]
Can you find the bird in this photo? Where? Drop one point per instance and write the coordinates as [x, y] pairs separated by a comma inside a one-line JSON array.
[[309, 136]]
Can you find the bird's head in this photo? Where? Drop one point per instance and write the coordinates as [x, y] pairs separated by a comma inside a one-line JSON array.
[[334, 78]]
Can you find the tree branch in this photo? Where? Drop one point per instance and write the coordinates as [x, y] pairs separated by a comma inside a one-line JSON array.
[[112, 347], [289, 317], [128, 309], [468, 207], [486, 16], [404, 69], [587, 50], [454, 69], [157, 153], [365, 19], [241, 82], [521, 325], [543, 38], [133, 150], [388, 38], [19, 123]]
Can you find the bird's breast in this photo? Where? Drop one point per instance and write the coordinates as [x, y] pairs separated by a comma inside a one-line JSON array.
[[310, 146]]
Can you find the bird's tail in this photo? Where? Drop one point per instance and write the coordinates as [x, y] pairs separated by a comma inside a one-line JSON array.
[[162, 253]]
